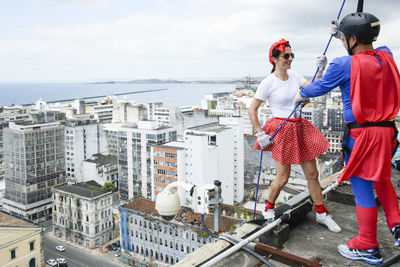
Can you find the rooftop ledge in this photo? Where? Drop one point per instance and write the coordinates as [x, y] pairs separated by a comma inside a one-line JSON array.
[[307, 240]]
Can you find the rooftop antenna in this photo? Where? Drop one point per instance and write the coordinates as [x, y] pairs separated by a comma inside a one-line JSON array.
[[360, 5]]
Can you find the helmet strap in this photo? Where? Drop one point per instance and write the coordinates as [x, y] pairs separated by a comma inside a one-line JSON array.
[[350, 50]]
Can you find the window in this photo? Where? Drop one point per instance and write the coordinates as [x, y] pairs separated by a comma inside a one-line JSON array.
[[32, 245], [13, 254]]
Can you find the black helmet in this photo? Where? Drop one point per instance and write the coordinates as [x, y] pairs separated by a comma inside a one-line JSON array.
[[362, 25]]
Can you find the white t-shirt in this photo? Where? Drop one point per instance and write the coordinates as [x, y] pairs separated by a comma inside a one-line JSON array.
[[280, 94]]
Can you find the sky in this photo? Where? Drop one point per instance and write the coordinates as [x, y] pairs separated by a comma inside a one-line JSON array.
[[100, 40]]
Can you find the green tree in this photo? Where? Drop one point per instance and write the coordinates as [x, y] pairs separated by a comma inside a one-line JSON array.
[[108, 186]]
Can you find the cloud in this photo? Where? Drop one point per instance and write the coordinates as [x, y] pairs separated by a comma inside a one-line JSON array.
[[197, 38]]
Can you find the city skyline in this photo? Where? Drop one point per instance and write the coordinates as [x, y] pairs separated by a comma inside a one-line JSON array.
[[75, 41]]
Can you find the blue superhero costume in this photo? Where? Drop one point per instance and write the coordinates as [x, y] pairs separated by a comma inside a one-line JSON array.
[[370, 85]]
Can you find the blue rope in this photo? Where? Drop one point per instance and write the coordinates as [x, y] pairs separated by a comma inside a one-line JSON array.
[[330, 39], [258, 182], [259, 169], [280, 127]]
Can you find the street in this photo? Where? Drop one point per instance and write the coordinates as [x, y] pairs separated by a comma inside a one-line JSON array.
[[75, 257]]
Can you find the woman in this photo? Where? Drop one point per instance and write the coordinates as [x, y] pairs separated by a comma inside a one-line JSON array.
[[298, 142]]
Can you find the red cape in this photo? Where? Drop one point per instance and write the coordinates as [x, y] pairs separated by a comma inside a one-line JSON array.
[[375, 97]]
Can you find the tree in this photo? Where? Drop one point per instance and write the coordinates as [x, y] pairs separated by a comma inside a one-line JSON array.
[[108, 187]]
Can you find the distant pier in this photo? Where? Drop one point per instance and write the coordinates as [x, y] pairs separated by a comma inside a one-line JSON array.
[[100, 96]]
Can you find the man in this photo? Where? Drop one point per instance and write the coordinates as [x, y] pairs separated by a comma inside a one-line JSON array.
[[370, 84]]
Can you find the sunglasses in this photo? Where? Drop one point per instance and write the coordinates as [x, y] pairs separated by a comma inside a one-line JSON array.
[[287, 55]]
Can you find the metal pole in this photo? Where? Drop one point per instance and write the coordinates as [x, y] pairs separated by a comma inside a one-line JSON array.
[[241, 244], [217, 210]]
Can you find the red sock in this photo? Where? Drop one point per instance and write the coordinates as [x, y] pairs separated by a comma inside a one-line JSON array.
[[269, 205], [367, 223], [321, 209]]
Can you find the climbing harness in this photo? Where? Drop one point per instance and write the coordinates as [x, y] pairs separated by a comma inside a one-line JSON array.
[[360, 6]]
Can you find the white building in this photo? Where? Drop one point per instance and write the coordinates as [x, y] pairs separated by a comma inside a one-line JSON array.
[[104, 110], [82, 213], [134, 144], [151, 107], [215, 152], [101, 168], [167, 115], [128, 112], [83, 138]]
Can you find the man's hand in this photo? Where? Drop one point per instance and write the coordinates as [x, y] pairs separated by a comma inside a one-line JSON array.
[[334, 29], [264, 139], [299, 99], [321, 64]]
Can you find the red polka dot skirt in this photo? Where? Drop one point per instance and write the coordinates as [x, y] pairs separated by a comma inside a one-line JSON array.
[[296, 142]]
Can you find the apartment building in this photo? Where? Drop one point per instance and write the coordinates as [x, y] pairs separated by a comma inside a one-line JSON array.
[[134, 144], [21, 243], [83, 138], [104, 110], [34, 162], [83, 213], [168, 163]]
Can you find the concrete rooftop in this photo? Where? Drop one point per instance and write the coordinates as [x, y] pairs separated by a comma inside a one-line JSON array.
[[308, 239]]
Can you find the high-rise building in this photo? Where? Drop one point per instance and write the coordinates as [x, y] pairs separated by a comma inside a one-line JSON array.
[[2, 126], [335, 119], [34, 157], [83, 138], [134, 144]]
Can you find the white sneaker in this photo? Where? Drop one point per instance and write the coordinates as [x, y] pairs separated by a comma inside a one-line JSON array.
[[269, 215], [328, 221]]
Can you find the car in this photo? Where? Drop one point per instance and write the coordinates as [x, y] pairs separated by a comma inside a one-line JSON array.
[[60, 248], [52, 262], [61, 260], [109, 247]]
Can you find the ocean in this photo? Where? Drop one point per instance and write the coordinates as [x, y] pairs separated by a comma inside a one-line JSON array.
[[177, 94]]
